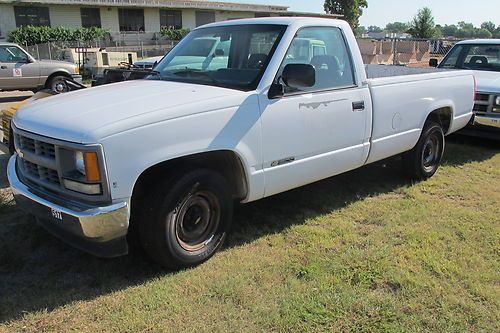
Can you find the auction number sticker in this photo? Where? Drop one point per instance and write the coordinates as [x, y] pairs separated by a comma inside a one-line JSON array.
[[17, 72]]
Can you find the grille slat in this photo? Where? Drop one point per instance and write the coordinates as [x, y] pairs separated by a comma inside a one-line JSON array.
[[40, 155], [484, 103]]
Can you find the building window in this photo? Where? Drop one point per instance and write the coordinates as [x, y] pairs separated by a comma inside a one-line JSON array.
[[262, 14], [31, 15], [131, 19], [91, 17], [171, 19], [204, 18]]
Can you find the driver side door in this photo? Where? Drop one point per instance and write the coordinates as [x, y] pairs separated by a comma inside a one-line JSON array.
[[17, 70]]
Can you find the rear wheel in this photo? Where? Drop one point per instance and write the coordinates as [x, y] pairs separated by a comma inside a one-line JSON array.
[[424, 159], [186, 219]]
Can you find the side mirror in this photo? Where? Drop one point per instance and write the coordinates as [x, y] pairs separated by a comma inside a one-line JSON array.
[[299, 75], [433, 62]]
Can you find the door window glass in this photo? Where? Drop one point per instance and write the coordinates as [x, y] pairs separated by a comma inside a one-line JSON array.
[[12, 54], [326, 50]]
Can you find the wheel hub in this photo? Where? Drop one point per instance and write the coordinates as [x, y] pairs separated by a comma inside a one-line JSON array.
[[197, 220]]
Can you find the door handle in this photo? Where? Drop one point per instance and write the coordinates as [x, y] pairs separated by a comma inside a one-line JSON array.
[[358, 106], [3, 67]]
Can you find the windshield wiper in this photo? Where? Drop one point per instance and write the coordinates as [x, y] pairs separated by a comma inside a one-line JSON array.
[[192, 72]]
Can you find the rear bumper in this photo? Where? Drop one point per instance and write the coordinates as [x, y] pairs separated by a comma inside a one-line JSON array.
[[100, 231]]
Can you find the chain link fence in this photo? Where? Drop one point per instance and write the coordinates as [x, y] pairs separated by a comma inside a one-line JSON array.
[[140, 44], [404, 52]]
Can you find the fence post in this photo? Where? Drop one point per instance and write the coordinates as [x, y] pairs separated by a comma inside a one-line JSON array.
[[50, 53], [37, 52], [395, 51]]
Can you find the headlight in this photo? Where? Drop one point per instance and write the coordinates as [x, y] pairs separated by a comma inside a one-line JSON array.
[[497, 100], [87, 174]]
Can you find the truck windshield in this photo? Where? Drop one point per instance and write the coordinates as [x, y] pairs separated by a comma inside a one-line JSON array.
[[480, 57], [233, 56]]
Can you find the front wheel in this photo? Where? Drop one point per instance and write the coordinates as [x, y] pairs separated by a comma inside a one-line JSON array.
[[58, 84], [424, 159], [186, 219]]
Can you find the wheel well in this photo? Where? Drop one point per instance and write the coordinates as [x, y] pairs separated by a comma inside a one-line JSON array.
[[442, 116], [51, 76], [226, 162]]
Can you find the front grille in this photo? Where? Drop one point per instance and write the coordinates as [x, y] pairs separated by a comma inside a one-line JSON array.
[[482, 97], [480, 108], [41, 173], [484, 103], [37, 161]]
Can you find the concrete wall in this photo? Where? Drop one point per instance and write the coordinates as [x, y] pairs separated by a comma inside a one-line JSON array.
[[65, 16], [109, 18], [7, 20]]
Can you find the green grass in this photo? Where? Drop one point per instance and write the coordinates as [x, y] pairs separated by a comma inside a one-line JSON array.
[[362, 252]]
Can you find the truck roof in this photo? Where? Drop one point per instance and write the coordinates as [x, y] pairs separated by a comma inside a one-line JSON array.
[[480, 41], [8, 44], [284, 20]]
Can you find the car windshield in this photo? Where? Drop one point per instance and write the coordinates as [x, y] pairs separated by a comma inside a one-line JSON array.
[[480, 57], [232, 56]]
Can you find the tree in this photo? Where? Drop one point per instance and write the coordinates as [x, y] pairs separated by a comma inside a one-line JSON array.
[[482, 33], [423, 25], [449, 30], [490, 26], [351, 9], [360, 31], [374, 28], [397, 27]]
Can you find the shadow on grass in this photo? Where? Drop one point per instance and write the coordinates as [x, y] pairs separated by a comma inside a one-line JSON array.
[[39, 272]]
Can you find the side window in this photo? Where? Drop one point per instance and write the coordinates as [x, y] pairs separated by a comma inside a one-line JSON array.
[[12, 54], [325, 49]]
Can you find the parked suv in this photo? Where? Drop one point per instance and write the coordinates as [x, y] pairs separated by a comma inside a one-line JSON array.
[[20, 71]]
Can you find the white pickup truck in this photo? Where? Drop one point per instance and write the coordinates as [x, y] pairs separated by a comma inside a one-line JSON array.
[[166, 157], [483, 57]]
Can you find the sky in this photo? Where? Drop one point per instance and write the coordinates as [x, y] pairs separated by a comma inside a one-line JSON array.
[[381, 12]]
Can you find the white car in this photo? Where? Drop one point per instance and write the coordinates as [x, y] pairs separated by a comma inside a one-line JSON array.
[[147, 63], [169, 155], [483, 57]]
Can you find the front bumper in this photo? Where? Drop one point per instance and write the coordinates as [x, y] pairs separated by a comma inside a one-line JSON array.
[[100, 231], [493, 122]]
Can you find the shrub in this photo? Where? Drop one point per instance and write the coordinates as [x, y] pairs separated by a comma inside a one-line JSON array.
[[30, 35], [174, 34]]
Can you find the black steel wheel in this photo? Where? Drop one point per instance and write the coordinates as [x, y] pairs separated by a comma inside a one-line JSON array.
[[186, 220], [424, 159]]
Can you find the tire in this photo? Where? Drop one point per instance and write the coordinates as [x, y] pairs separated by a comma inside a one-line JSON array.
[[58, 84], [186, 219], [424, 159]]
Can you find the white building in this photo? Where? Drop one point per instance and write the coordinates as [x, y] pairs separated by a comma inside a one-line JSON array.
[[129, 15]]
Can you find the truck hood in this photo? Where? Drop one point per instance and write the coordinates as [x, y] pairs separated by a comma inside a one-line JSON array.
[[488, 82], [88, 115]]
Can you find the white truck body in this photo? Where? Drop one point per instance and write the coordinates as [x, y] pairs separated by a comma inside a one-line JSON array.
[[280, 143], [483, 57]]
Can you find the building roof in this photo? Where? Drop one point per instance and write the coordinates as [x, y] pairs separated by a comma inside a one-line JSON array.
[[181, 4]]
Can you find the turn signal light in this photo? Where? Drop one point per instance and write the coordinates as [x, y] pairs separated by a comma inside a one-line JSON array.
[[92, 171]]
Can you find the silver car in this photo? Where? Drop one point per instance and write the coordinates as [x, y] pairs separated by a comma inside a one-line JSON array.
[[20, 71]]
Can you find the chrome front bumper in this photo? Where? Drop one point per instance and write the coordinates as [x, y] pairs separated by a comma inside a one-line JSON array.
[[487, 121], [98, 230]]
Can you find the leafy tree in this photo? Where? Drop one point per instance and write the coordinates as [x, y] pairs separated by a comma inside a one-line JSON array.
[[490, 26], [397, 27], [360, 31], [374, 28], [482, 33], [423, 25], [449, 30], [351, 9]]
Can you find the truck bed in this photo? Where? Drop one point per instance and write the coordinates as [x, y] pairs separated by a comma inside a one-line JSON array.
[[381, 71]]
